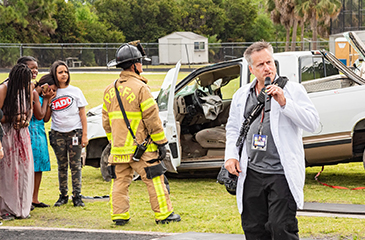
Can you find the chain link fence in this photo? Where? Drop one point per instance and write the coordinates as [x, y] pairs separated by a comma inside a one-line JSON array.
[[99, 54]]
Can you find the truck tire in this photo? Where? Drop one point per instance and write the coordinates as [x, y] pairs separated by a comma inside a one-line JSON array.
[[104, 163]]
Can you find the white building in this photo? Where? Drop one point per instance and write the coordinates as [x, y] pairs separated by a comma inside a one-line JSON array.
[[188, 47]]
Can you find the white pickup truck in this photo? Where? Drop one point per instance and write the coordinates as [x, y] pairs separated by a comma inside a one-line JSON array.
[[194, 124]]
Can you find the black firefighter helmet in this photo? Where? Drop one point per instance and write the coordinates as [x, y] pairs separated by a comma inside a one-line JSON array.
[[128, 54]]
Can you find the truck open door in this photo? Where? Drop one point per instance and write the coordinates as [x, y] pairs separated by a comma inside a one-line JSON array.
[[165, 101]]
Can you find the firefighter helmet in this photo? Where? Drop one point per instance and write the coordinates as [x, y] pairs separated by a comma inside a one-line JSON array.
[[125, 56]]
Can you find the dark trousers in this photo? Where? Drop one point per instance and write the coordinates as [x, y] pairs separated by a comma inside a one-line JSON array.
[[269, 209]]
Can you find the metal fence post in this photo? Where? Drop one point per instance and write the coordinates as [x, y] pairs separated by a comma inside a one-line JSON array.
[[62, 53], [21, 50], [106, 54], [187, 53]]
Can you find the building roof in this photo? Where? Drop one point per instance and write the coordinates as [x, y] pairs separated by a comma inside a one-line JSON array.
[[189, 35]]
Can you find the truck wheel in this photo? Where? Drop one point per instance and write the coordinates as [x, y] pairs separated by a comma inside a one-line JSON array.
[[104, 163]]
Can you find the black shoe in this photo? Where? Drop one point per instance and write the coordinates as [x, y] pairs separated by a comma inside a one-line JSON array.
[[39, 205], [62, 200], [121, 222], [78, 201], [171, 218]]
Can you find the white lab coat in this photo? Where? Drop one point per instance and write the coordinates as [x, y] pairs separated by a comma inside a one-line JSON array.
[[287, 124]]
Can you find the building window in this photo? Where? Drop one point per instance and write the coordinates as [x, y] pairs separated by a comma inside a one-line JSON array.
[[199, 46]]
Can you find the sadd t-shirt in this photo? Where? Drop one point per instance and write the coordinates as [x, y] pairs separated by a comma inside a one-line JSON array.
[[65, 109]]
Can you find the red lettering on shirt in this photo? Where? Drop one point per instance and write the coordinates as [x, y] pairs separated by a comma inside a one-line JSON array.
[[62, 103]]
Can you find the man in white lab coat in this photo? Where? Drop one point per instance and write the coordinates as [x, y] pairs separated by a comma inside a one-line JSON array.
[[271, 166]]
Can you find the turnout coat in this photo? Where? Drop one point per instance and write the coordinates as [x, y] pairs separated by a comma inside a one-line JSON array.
[[287, 124]]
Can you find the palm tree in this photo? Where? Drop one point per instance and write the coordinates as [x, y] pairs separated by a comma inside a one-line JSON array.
[[282, 12], [319, 10]]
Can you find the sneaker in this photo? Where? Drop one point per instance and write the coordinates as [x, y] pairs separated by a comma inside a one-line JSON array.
[[121, 222], [171, 218], [78, 201], [7, 217], [62, 200]]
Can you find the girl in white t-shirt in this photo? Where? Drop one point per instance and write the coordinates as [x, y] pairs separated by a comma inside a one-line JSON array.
[[68, 133]]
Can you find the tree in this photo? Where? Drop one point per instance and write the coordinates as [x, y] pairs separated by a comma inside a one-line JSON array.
[[25, 18], [202, 17], [67, 29], [146, 20], [239, 27], [319, 10], [91, 28], [282, 12]]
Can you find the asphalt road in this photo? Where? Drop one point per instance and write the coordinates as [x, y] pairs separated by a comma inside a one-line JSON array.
[[27, 233]]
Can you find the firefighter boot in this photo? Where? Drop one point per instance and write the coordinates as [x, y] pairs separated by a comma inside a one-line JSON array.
[[171, 218]]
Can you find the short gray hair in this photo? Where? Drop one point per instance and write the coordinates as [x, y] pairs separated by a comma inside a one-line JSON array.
[[256, 47]]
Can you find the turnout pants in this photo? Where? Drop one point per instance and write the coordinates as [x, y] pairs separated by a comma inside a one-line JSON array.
[[269, 209], [159, 196]]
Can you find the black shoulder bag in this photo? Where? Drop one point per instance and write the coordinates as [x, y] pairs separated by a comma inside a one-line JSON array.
[[225, 177], [141, 148]]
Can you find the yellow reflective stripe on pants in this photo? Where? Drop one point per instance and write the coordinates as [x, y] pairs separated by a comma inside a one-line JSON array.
[[124, 216], [164, 212], [147, 104]]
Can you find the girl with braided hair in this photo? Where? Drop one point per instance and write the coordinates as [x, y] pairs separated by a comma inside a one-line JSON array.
[[16, 167]]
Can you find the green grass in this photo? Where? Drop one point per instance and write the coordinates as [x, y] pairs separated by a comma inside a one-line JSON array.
[[203, 204]]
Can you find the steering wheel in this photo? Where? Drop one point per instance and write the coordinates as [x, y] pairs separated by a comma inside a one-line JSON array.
[[198, 94]]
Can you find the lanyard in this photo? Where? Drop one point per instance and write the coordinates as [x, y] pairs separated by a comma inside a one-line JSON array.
[[261, 121]]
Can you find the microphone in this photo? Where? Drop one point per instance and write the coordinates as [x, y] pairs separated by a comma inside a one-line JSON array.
[[267, 97]]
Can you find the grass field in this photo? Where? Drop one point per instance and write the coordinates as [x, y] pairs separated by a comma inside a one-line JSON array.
[[203, 204]]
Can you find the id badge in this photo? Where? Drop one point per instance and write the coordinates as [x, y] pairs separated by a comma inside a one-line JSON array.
[[75, 141], [259, 142]]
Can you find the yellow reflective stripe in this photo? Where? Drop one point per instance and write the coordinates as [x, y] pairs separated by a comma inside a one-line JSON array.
[[123, 150], [161, 198], [147, 104], [109, 136], [158, 136], [123, 216], [162, 216], [129, 140], [131, 149], [104, 107], [119, 115], [151, 148]]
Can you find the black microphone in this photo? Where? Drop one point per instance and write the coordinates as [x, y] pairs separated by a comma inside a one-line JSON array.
[[267, 97]]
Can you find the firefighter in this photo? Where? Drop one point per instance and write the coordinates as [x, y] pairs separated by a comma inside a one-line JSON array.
[[140, 148]]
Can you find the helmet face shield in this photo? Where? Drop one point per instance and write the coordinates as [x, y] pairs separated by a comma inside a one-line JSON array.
[[112, 63]]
